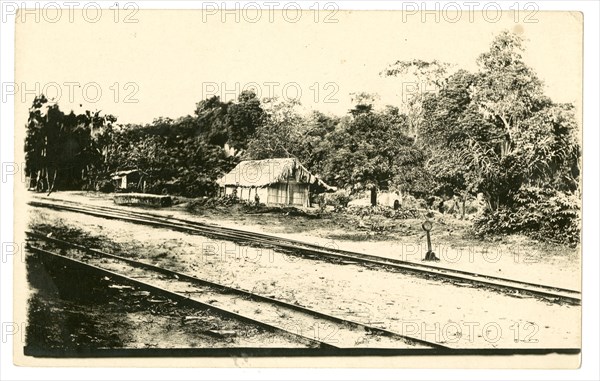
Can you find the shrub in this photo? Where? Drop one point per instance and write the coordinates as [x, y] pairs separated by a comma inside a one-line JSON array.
[[338, 199], [541, 213], [383, 211], [105, 186], [202, 203]]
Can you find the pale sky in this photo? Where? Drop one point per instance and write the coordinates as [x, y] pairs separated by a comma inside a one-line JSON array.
[[177, 58]]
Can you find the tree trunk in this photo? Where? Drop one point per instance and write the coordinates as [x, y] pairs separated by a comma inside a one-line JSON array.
[[38, 181], [489, 201], [47, 178], [373, 196], [51, 187]]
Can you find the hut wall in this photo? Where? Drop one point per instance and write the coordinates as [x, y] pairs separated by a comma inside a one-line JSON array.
[[120, 182], [263, 193], [248, 194], [299, 194], [130, 180], [294, 193], [277, 194], [229, 190]]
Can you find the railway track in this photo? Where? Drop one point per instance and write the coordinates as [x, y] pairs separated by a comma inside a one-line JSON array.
[[312, 327], [295, 247]]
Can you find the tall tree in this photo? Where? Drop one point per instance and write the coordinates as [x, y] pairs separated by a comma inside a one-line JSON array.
[[64, 151], [419, 78], [281, 133], [497, 129], [371, 150], [244, 117], [212, 120]]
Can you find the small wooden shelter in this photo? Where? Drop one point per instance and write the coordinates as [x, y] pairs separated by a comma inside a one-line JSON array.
[[131, 179], [274, 181]]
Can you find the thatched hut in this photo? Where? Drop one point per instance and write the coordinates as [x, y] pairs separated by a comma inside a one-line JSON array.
[[275, 181]]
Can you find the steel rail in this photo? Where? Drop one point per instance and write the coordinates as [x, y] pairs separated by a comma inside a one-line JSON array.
[[224, 289], [457, 277]]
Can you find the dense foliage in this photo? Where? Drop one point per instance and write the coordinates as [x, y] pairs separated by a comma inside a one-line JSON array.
[[491, 133], [173, 153], [542, 213], [65, 151], [494, 132]]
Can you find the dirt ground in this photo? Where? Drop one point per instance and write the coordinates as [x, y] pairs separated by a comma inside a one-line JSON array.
[[73, 312], [461, 317], [515, 256]]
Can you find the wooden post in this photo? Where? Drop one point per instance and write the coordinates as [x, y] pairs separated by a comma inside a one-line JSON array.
[[428, 242], [373, 196], [430, 255]]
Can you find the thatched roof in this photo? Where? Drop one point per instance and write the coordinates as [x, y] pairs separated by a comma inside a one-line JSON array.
[[117, 175], [262, 173]]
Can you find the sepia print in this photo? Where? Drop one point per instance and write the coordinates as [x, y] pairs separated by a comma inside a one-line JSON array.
[[311, 187]]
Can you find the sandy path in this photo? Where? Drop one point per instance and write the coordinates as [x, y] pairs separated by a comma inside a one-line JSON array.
[[460, 317], [503, 259]]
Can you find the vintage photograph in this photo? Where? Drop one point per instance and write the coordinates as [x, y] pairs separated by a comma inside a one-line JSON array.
[[286, 183]]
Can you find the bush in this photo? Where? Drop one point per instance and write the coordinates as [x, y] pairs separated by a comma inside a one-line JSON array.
[[338, 199], [544, 214], [105, 186], [384, 211], [410, 202], [212, 203], [184, 187]]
